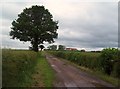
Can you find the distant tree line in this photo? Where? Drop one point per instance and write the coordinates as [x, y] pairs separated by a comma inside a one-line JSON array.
[[54, 47]]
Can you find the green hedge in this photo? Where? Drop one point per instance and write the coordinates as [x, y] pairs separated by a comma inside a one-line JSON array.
[[110, 61], [86, 59], [106, 61]]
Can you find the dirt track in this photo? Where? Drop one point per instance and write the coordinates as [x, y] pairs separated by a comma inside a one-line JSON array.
[[70, 76]]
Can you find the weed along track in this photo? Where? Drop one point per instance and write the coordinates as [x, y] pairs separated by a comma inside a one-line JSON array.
[[23, 68], [70, 76]]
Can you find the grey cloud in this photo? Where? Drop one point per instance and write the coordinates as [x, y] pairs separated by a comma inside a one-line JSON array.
[[96, 27], [102, 27], [10, 43], [10, 10]]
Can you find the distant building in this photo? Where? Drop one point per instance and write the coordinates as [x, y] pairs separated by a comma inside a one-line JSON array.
[[71, 49]]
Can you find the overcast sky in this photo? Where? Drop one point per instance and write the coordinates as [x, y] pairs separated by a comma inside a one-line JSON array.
[[83, 24]]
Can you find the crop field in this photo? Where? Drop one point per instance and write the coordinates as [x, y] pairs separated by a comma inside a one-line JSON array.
[[20, 68]]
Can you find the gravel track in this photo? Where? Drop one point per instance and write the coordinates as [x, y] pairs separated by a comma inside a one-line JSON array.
[[68, 75]]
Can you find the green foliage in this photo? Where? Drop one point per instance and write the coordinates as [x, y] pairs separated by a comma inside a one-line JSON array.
[[116, 70], [86, 59], [17, 68], [22, 68], [109, 60], [41, 47], [52, 47], [45, 71], [106, 61], [61, 47], [36, 25]]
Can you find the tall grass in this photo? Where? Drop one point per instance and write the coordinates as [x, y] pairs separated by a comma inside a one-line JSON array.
[[45, 71], [24, 68], [17, 67]]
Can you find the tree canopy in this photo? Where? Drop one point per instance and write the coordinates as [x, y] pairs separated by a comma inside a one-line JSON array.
[[35, 24]]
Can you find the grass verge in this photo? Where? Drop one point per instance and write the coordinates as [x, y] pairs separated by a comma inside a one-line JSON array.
[[99, 74], [24, 68], [44, 74]]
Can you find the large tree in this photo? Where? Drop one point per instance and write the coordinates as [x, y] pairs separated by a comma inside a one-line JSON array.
[[36, 25]]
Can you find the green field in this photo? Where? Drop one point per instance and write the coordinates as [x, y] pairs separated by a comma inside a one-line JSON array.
[[21, 68]]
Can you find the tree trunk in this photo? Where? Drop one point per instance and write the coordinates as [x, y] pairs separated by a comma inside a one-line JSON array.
[[35, 45], [41, 49]]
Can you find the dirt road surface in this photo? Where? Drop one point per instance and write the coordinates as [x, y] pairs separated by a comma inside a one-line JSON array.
[[68, 75]]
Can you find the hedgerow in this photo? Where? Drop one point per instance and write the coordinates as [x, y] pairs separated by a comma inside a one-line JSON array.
[[107, 61]]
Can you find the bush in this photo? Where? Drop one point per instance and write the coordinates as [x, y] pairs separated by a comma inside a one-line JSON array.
[[116, 70], [108, 57], [107, 61]]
